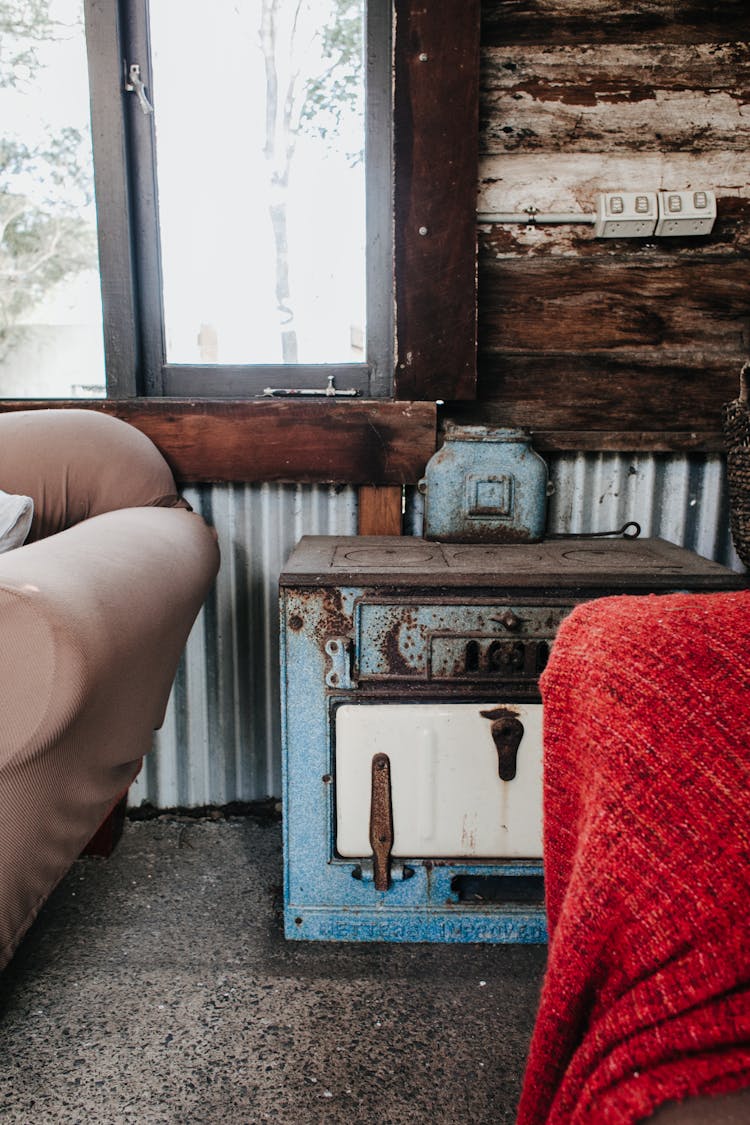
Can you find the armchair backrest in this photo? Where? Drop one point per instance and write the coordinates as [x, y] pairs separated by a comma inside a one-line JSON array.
[[80, 463]]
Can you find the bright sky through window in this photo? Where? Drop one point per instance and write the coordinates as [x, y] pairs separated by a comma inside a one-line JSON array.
[[50, 305], [259, 112]]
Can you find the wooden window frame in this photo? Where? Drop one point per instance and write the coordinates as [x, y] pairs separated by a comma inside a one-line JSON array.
[[423, 223], [129, 236], [384, 442]]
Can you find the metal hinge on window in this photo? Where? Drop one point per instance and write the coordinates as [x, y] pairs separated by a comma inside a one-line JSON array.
[[329, 391], [134, 84]]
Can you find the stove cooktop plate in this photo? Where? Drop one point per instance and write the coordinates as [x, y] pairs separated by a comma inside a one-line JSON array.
[[615, 563]]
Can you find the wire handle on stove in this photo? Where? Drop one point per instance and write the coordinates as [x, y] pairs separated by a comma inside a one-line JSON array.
[[629, 530]]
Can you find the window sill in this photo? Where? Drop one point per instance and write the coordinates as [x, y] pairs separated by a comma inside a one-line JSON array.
[[238, 440]]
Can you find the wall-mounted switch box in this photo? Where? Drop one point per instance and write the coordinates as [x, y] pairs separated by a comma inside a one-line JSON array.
[[686, 212], [626, 214]]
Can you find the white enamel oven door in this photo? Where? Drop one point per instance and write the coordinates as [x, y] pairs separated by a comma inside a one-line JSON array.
[[448, 800]]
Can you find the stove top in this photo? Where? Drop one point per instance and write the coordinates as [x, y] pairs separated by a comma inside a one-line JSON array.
[[567, 562]]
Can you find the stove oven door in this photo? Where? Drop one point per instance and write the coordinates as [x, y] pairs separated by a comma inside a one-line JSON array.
[[465, 778]]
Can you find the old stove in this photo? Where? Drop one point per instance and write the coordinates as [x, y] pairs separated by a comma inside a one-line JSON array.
[[412, 728]]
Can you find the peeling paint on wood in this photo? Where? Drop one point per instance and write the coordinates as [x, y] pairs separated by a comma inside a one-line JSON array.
[[624, 97], [608, 341], [643, 21], [571, 184]]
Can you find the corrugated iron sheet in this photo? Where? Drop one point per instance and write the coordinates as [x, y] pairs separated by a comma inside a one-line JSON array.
[[221, 741], [679, 498]]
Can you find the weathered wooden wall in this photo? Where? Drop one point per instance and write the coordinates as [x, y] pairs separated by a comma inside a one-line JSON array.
[[622, 336]]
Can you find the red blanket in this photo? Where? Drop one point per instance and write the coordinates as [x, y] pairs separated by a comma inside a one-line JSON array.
[[647, 843]]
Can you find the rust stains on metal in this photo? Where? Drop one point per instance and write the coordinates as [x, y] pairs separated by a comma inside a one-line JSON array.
[[393, 656], [507, 732], [381, 821], [494, 534], [509, 619], [296, 622], [324, 611], [398, 641]]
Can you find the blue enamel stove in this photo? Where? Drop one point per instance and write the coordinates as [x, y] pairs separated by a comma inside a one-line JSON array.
[[412, 726]]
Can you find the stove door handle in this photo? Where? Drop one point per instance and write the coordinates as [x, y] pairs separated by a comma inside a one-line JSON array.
[[381, 820]]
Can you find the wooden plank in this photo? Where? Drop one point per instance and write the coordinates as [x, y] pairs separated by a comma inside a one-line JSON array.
[[612, 345], [571, 183], [605, 98], [730, 236], [363, 442], [691, 309], [588, 438], [605, 392], [593, 21], [379, 510], [639, 441], [435, 151]]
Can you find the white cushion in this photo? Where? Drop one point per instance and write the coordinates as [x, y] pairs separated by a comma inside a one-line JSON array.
[[16, 514]]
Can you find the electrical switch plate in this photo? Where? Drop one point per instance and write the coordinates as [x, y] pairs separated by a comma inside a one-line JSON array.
[[686, 212], [625, 214]]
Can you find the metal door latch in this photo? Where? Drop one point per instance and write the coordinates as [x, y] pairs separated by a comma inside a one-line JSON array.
[[329, 391], [134, 84]]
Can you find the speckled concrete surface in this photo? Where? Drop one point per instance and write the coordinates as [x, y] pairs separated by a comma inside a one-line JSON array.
[[157, 988]]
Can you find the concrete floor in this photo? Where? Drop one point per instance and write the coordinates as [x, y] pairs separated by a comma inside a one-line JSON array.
[[156, 987]]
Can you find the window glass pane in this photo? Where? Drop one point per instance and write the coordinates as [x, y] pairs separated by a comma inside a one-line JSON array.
[[259, 110], [50, 305]]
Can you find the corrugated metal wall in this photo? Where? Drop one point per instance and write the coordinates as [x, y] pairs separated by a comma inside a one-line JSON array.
[[220, 741]]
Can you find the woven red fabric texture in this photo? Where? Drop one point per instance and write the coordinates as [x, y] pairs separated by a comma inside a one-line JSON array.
[[646, 998]]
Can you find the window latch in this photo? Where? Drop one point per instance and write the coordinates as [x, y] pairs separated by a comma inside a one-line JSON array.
[[135, 85], [329, 391]]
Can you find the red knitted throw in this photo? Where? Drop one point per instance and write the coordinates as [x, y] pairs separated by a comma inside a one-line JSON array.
[[647, 847]]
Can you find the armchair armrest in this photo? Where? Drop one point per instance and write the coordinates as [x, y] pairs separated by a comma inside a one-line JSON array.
[[92, 624]]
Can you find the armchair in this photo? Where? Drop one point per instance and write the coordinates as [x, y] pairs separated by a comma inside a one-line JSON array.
[[95, 609]]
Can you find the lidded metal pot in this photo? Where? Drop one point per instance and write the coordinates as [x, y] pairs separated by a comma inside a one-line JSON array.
[[485, 485]]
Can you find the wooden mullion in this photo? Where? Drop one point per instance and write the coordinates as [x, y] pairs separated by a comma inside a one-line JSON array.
[[105, 46], [436, 168]]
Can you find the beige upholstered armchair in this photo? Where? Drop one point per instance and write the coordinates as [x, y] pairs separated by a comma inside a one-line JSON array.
[[95, 609]]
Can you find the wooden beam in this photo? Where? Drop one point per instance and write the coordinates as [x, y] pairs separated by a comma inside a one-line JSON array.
[[597, 21], [546, 439], [436, 166], [634, 441], [364, 442], [379, 510], [626, 98]]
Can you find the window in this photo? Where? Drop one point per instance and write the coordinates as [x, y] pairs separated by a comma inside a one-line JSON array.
[[244, 198], [50, 304], [169, 339]]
